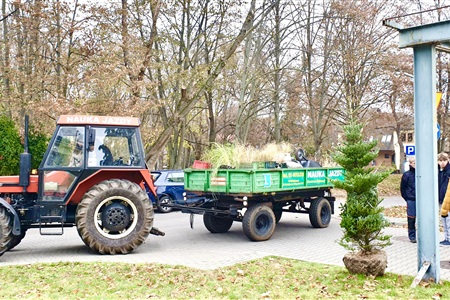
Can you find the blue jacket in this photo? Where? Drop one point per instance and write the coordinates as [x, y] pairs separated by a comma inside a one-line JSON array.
[[408, 185], [443, 177]]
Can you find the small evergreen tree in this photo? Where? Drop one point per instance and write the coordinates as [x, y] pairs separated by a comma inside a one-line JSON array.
[[361, 215]]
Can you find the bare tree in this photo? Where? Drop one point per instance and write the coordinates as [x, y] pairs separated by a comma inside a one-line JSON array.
[[360, 44]]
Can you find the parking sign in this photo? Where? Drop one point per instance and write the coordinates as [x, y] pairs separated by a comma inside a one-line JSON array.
[[410, 150]]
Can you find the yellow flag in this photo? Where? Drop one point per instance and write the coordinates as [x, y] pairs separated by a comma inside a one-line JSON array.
[[438, 99]]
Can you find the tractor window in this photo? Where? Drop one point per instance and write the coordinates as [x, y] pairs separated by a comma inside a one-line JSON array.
[[113, 147], [67, 148]]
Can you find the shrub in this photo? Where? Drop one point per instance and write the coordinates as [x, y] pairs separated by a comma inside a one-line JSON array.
[[10, 147], [38, 142]]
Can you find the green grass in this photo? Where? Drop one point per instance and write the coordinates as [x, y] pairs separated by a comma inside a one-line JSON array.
[[267, 278]]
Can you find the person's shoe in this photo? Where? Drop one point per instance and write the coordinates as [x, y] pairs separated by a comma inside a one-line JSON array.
[[414, 241], [445, 243]]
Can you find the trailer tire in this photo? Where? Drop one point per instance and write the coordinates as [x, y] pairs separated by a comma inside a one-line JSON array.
[[114, 217], [320, 213], [5, 230], [217, 224], [259, 222]]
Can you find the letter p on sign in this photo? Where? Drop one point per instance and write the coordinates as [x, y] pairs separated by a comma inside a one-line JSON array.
[[410, 150]]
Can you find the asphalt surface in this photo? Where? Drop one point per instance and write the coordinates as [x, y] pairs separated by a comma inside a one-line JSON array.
[[198, 248]]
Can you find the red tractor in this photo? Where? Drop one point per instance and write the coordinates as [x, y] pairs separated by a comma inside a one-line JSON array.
[[93, 176]]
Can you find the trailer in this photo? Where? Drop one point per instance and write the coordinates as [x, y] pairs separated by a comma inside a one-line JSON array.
[[258, 196]]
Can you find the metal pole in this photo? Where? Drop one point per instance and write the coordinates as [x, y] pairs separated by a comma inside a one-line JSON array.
[[426, 158]]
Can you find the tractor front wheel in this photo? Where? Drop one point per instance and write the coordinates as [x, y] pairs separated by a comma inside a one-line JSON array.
[[5, 230], [114, 217], [16, 239]]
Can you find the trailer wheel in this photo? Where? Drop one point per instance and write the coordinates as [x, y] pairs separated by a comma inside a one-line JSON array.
[[320, 213], [114, 217], [217, 224], [164, 200], [5, 230], [259, 222]]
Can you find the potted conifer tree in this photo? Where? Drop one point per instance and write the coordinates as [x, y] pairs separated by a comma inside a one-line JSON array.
[[362, 220]]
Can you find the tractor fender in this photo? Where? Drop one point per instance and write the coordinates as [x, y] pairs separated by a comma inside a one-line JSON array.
[[16, 222]]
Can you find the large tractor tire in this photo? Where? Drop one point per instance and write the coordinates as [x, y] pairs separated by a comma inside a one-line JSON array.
[[217, 224], [114, 217], [5, 230], [164, 200], [320, 213], [259, 222]]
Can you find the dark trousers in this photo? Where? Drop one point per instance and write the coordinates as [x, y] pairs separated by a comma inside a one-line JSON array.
[[411, 214], [412, 228]]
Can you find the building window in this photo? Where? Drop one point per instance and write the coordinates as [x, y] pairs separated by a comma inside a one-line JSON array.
[[410, 137], [386, 156], [403, 137], [386, 138]]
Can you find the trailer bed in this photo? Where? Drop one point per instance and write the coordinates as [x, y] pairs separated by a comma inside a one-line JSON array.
[[260, 181]]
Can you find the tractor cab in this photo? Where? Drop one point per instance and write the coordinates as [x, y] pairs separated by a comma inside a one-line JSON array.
[[86, 146]]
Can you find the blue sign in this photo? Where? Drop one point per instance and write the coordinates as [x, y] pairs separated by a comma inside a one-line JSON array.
[[438, 131], [410, 150]]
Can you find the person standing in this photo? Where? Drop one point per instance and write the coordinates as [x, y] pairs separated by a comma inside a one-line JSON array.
[[408, 191], [444, 175]]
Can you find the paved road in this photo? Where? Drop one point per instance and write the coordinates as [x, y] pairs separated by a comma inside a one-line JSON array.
[[293, 238]]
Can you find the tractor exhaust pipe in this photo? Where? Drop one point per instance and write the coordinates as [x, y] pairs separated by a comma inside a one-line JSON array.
[[25, 161], [25, 144]]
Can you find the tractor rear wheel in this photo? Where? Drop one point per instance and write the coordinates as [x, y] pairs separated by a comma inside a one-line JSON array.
[[114, 217], [5, 230]]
